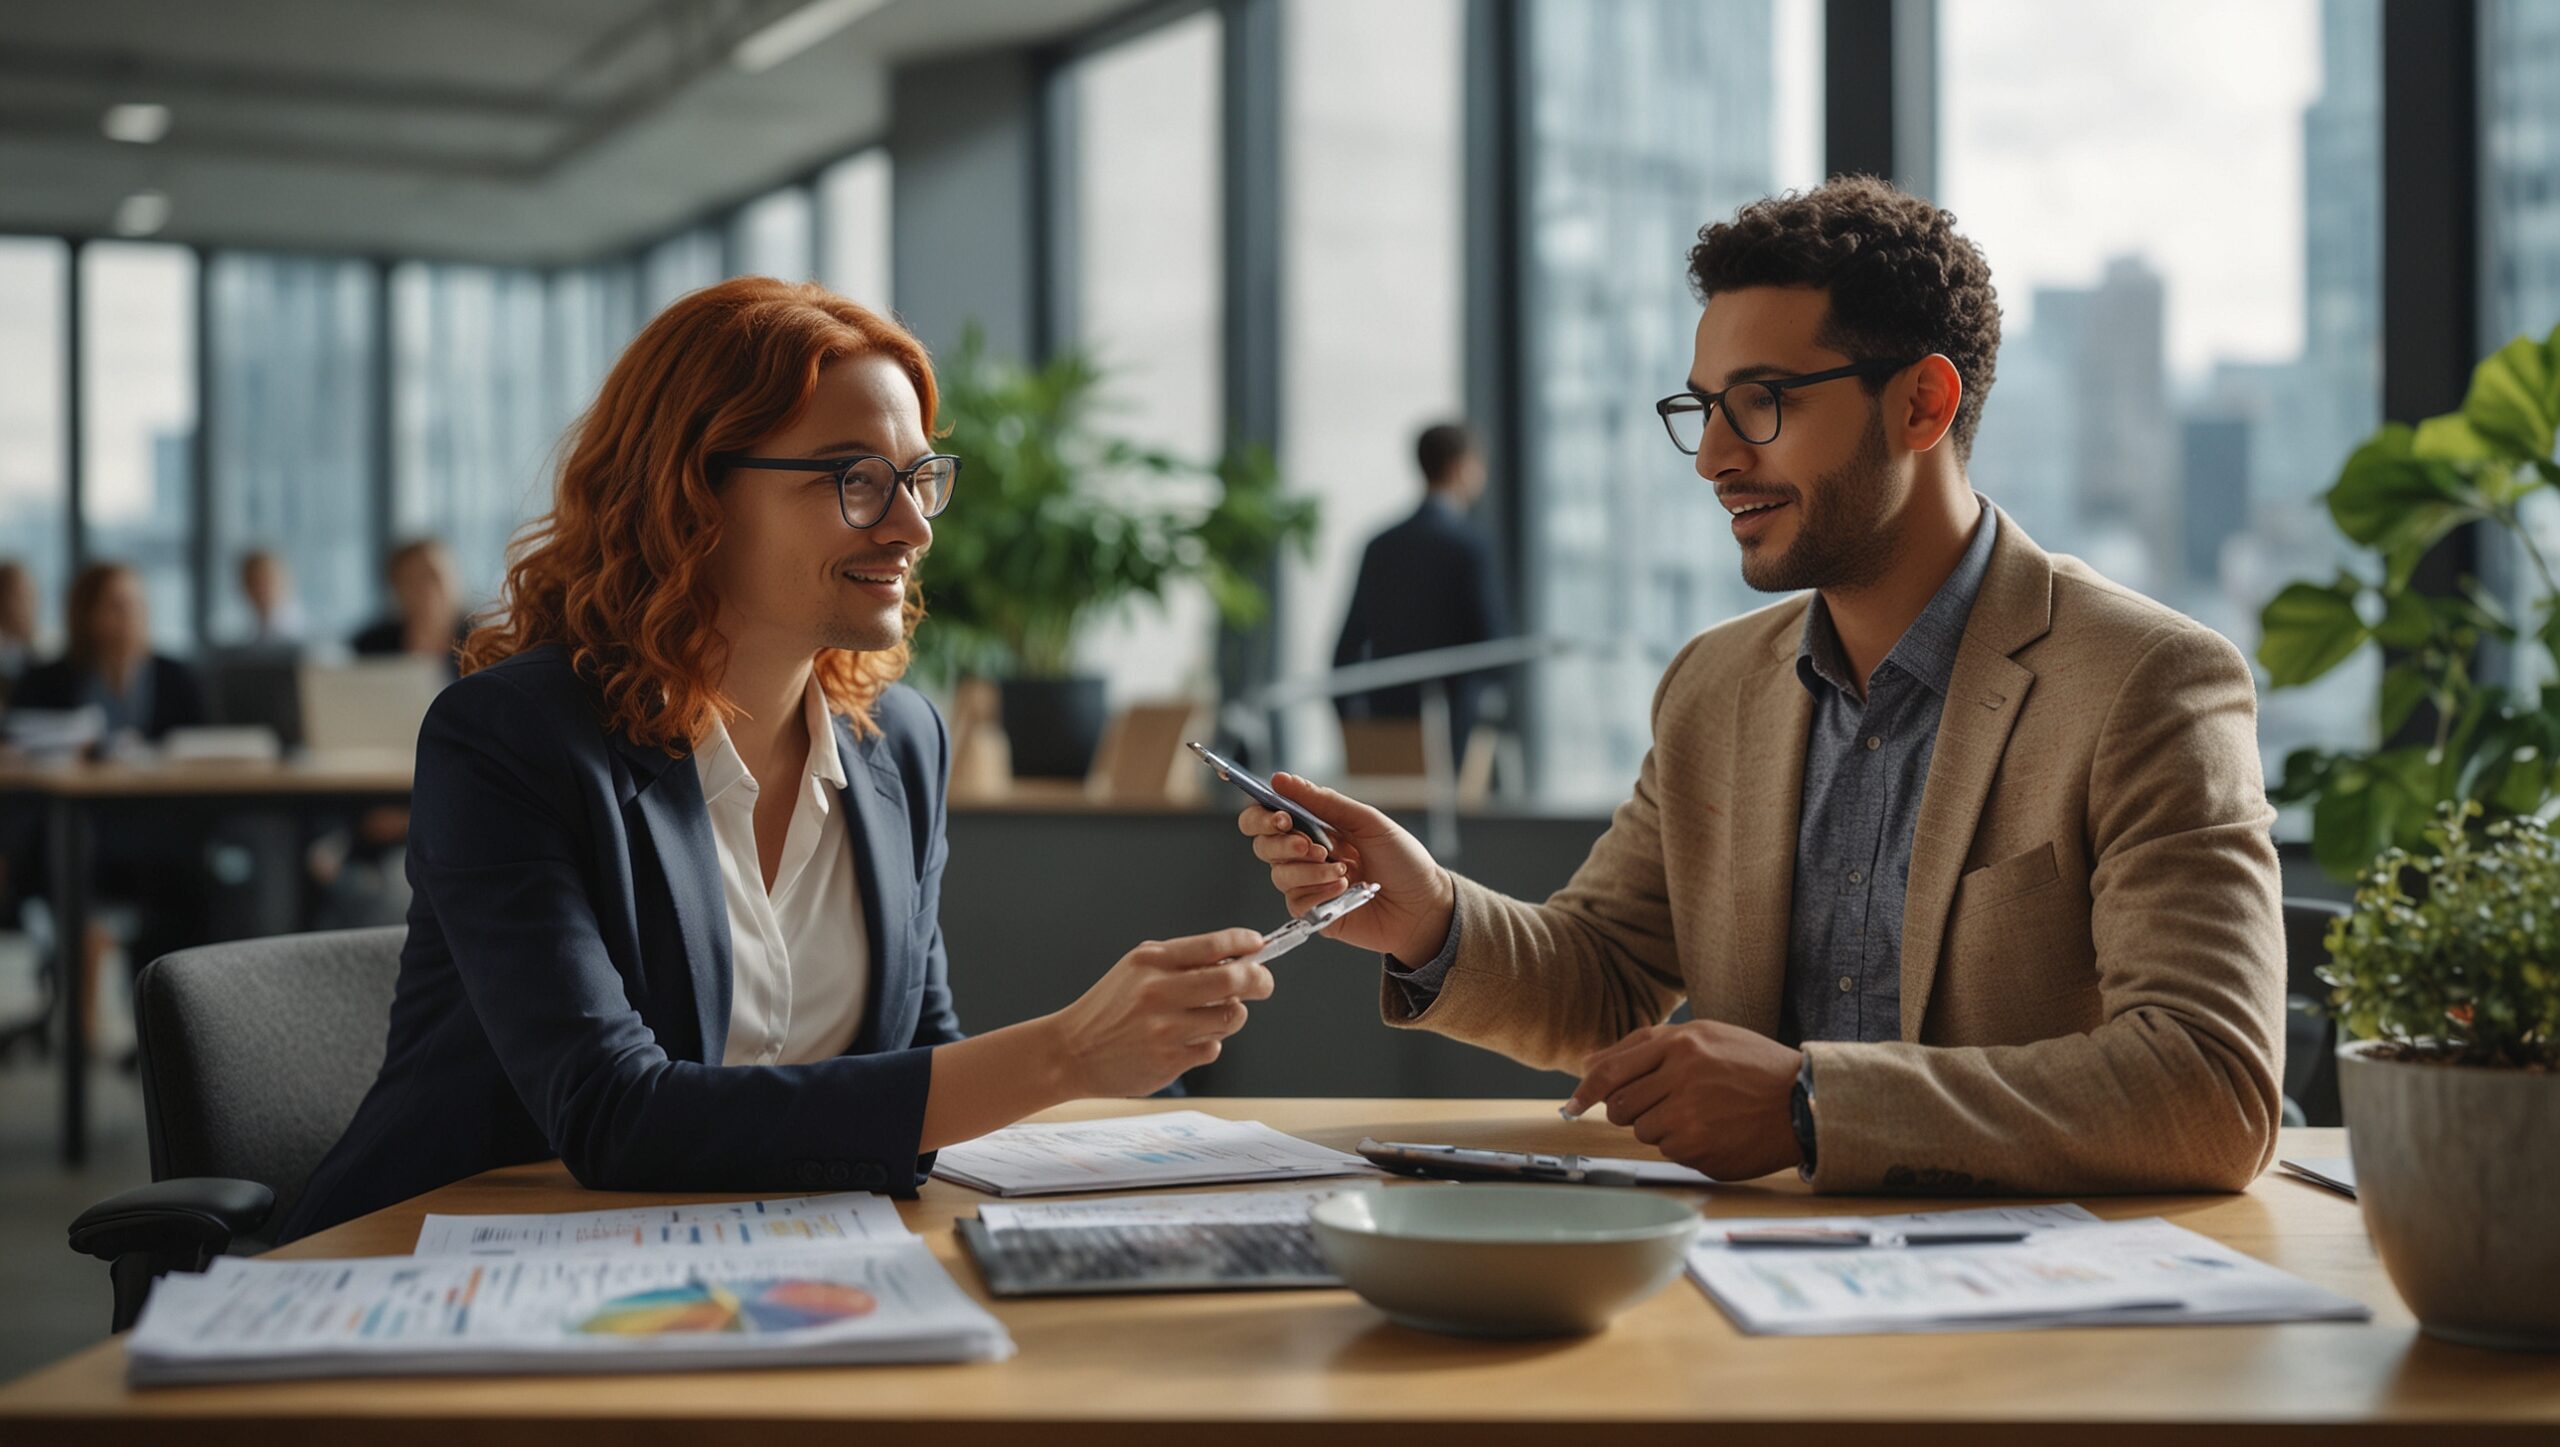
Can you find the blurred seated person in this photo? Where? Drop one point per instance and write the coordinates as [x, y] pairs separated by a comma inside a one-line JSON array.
[[427, 618], [1428, 582], [275, 614], [17, 624], [144, 694], [110, 662]]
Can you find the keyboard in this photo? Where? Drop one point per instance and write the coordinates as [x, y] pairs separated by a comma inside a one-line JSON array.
[[1108, 1259]]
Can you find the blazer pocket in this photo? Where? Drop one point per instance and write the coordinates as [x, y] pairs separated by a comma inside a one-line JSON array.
[[2006, 879]]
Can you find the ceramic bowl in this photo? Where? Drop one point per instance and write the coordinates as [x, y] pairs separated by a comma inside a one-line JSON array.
[[1498, 1260]]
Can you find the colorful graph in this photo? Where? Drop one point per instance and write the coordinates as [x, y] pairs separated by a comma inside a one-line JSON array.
[[788, 1304]]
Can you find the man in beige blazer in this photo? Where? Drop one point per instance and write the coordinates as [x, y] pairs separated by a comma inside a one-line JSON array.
[[1961, 858]]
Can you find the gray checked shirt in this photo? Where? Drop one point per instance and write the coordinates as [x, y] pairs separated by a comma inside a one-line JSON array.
[[1865, 764]]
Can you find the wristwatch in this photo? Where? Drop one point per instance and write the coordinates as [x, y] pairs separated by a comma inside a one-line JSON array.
[[1800, 1109]]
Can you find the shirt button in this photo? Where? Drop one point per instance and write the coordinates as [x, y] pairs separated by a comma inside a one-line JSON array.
[[1847, 984], [1874, 743], [1856, 878]]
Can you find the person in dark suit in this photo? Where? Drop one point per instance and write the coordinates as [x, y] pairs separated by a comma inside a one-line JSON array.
[[109, 662], [427, 619], [1428, 582], [109, 665], [677, 843]]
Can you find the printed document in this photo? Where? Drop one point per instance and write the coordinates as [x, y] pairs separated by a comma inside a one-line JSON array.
[[2066, 1273], [753, 1225], [1175, 1148], [675, 1310]]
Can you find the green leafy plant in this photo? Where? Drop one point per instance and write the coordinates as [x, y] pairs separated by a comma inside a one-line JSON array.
[[2397, 496], [2465, 968], [1058, 519]]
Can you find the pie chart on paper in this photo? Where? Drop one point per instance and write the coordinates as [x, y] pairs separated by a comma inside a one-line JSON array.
[[785, 1304]]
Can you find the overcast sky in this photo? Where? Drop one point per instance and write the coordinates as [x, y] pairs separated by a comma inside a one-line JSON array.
[[2074, 132]]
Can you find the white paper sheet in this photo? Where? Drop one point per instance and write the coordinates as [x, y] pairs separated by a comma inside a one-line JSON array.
[[251, 1318], [2338, 1173], [2093, 1273], [788, 1224], [1214, 1208], [1173, 1148]]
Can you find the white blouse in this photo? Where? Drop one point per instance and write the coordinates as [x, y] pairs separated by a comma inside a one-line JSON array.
[[800, 965]]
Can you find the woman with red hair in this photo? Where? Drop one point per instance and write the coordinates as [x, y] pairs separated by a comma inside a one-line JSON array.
[[677, 845]]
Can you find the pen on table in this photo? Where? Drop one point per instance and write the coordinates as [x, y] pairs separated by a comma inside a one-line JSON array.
[[1823, 1237]]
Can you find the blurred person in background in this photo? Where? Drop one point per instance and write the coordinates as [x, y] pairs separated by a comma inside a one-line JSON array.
[[427, 618], [17, 624], [109, 665], [275, 614], [1428, 582]]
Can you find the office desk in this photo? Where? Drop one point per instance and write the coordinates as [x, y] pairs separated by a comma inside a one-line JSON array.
[[76, 795], [1321, 1365]]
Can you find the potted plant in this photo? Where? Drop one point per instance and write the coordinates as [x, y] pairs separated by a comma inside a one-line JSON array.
[[1059, 520], [2452, 1093], [2397, 496], [2445, 977]]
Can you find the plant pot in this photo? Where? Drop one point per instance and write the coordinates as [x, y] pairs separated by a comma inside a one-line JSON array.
[[1053, 724], [2457, 1168]]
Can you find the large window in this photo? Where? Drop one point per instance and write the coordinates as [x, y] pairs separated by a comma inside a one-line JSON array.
[[138, 422], [32, 451], [2193, 302], [2520, 206], [771, 236], [1373, 290], [474, 420], [1148, 299], [1647, 119], [686, 261], [291, 433], [853, 227]]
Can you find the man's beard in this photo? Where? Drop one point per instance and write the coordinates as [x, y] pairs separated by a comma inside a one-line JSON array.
[[1843, 542]]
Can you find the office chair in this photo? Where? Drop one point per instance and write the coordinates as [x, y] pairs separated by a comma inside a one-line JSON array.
[[255, 1055], [2310, 1038]]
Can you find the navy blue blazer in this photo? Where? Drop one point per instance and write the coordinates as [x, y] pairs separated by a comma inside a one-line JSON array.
[[1428, 582], [565, 987]]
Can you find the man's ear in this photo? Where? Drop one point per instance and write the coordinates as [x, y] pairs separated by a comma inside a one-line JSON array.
[[1936, 389]]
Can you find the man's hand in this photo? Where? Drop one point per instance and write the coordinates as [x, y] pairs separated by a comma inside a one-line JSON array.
[[1706, 1094], [1410, 917]]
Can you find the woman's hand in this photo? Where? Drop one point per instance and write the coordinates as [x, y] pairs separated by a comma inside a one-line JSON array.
[[1163, 1009], [1410, 917]]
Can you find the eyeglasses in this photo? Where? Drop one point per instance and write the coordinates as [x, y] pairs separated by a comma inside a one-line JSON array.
[[866, 484], [1751, 409]]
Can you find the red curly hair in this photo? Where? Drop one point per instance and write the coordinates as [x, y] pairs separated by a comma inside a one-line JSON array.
[[618, 571]]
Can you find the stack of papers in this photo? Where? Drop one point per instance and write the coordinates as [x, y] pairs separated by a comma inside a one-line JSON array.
[[1176, 1148], [1221, 1208], [815, 1281], [2072, 1270]]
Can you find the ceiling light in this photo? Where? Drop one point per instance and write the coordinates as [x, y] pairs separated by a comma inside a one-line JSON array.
[[136, 123], [142, 213], [797, 31]]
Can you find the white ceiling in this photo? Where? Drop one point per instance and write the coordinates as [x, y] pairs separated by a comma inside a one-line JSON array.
[[500, 130]]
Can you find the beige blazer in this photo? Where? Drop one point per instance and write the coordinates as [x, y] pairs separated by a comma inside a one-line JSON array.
[[2093, 939]]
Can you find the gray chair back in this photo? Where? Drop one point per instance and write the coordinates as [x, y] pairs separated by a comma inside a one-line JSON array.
[[255, 1054], [2310, 1038]]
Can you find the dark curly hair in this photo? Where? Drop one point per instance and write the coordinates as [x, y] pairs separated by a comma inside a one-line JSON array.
[[1903, 282]]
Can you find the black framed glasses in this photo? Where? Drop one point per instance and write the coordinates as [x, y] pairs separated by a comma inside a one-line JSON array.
[[1752, 409], [866, 484]]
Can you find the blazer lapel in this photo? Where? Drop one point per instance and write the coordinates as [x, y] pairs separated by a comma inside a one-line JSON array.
[[884, 865], [1772, 714], [665, 802], [1984, 697]]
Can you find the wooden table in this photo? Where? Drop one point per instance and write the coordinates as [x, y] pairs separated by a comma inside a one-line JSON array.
[[76, 794], [1324, 1366]]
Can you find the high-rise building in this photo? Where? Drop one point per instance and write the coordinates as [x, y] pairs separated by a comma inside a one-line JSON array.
[[1648, 119]]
